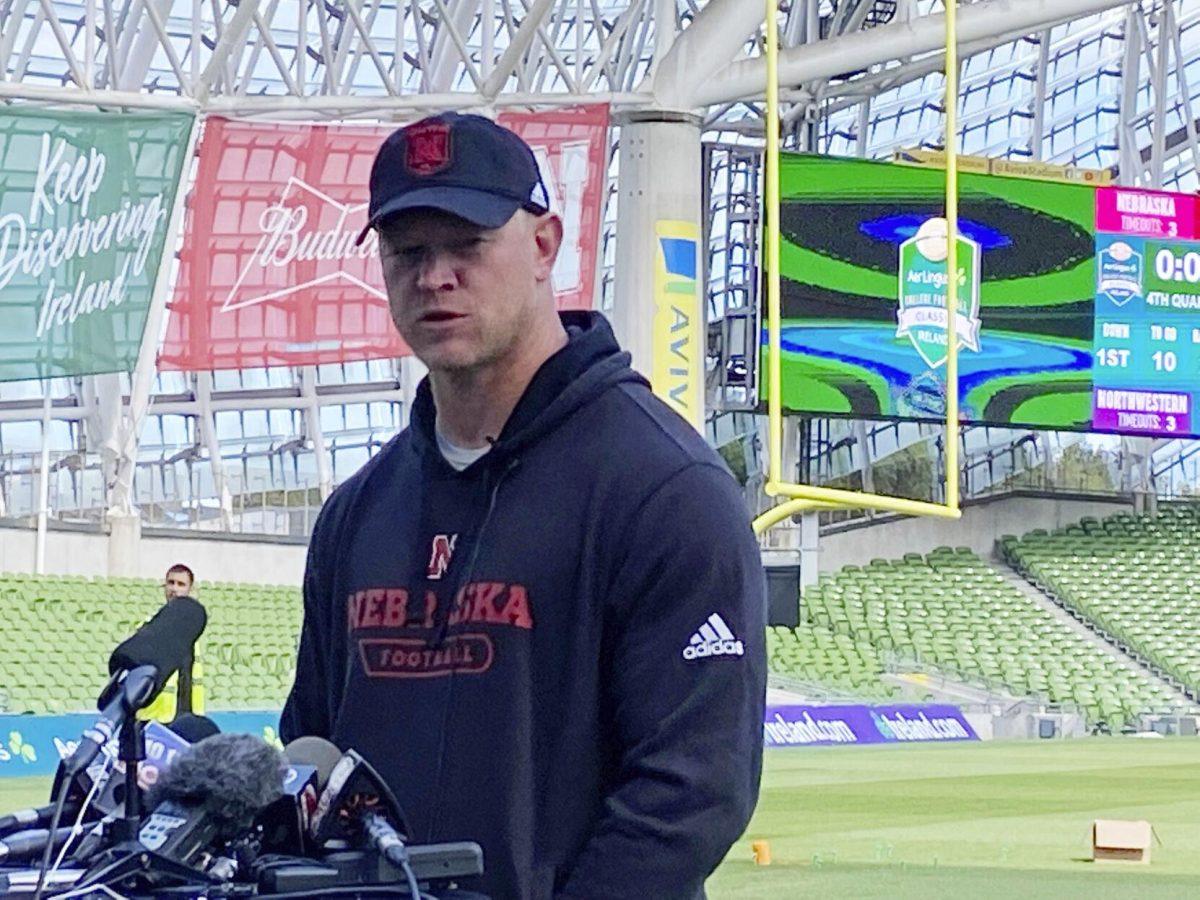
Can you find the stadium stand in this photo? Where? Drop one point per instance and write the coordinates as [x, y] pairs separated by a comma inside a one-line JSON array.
[[816, 655], [1136, 578], [952, 613], [948, 612], [57, 632]]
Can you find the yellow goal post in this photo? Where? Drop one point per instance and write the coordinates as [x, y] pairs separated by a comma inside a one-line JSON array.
[[803, 497]]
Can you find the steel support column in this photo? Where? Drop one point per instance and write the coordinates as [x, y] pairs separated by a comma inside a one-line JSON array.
[[206, 419], [312, 425], [659, 183]]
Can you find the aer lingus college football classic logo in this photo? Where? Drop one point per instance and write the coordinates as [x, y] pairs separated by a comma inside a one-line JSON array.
[[922, 314], [1119, 269]]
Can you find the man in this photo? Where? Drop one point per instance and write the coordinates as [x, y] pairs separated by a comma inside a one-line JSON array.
[[539, 610], [183, 693]]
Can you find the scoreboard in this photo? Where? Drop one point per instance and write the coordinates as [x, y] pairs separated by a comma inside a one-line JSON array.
[[1146, 373], [1079, 304]]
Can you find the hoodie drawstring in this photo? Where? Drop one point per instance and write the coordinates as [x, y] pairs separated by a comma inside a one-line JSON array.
[[443, 632], [444, 628]]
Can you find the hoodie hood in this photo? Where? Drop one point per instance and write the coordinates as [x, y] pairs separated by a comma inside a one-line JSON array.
[[589, 364]]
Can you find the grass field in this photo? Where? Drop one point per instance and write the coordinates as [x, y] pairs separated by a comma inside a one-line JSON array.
[[954, 821], [969, 820]]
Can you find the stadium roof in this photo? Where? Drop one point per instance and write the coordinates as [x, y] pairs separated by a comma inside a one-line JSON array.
[[1061, 80]]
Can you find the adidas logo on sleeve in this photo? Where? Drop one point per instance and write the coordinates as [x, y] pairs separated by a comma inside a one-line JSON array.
[[713, 638]]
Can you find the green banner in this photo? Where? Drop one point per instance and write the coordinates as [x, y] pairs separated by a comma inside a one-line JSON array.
[[85, 203]]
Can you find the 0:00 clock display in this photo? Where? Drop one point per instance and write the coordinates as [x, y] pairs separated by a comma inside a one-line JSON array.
[[1171, 267]]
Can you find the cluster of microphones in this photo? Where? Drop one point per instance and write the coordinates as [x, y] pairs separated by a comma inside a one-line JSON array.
[[184, 810]]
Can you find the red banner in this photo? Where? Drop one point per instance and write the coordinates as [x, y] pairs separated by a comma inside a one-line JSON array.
[[269, 274]]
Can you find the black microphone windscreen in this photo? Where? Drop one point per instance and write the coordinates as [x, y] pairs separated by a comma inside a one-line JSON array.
[[164, 642], [233, 776], [317, 752], [194, 729]]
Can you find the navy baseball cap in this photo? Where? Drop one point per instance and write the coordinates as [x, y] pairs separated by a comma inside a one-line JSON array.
[[465, 165]]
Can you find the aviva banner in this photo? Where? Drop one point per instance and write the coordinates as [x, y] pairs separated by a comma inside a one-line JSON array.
[[85, 203], [677, 372]]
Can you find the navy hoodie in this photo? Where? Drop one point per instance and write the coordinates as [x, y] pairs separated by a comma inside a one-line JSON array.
[[557, 652]]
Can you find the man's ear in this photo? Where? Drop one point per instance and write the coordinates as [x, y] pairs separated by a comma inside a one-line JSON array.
[[547, 237]]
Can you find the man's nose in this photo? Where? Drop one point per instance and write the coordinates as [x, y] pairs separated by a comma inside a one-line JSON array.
[[436, 272]]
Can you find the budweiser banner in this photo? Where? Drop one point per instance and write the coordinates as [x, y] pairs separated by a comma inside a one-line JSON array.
[[269, 273], [85, 200]]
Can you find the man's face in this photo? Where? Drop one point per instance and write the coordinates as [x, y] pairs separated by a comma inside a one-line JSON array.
[[463, 296], [176, 584]]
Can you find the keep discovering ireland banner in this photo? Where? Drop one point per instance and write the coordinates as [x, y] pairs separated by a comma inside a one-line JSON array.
[[269, 273], [85, 204]]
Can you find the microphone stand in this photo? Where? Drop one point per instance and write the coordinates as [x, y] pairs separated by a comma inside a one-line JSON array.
[[131, 751], [127, 857]]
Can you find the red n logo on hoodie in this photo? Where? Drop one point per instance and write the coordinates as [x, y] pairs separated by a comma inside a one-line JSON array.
[[439, 557]]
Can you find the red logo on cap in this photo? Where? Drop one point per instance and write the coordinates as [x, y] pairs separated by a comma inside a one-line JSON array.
[[427, 148]]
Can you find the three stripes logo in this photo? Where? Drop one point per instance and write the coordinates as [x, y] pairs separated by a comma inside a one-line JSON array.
[[713, 638]]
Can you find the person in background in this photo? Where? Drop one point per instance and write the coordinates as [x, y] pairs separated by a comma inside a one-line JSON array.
[[183, 693]]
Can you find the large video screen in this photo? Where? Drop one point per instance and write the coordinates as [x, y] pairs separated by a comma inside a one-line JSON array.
[[1073, 313], [842, 227]]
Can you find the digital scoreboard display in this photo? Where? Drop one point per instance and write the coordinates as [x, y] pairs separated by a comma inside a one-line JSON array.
[[1078, 307], [1147, 335]]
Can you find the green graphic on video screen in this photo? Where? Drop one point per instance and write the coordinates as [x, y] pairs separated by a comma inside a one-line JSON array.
[[1025, 351]]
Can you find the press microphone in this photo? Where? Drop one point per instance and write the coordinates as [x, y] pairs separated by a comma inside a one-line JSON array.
[[166, 743], [24, 881], [285, 823], [163, 746], [194, 729], [165, 642], [211, 795], [37, 817], [25, 844], [140, 666], [96, 782], [358, 803], [314, 751]]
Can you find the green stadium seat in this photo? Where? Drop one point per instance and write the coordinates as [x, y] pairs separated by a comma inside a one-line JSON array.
[[950, 612], [1137, 578], [90, 616]]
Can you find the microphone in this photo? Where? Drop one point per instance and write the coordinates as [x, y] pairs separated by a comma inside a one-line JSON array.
[[163, 746], [24, 881], [314, 751], [140, 666], [37, 817], [285, 823], [29, 843], [165, 641], [106, 798], [211, 794], [358, 803], [130, 691], [194, 729]]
